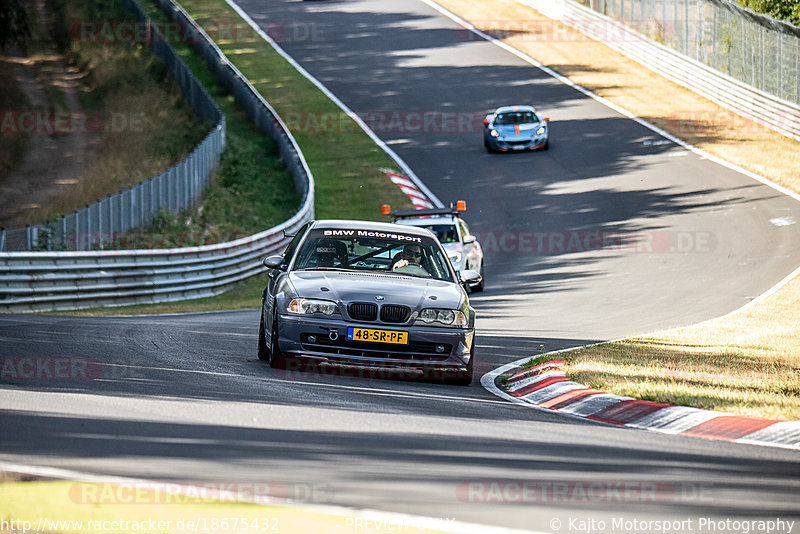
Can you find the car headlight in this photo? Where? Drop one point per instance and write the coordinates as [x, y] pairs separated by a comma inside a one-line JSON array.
[[311, 306], [455, 257], [494, 133], [541, 130], [454, 318]]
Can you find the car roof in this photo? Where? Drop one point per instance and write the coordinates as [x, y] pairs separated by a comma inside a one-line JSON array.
[[427, 221], [368, 225], [507, 109]]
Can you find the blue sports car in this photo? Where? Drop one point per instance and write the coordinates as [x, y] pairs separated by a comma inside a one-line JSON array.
[[512, 128]]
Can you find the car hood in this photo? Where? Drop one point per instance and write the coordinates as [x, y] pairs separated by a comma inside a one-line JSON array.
[[346, 287], [525, 130]]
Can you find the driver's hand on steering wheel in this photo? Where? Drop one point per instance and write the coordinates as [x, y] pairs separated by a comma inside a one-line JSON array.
[[400, 263]]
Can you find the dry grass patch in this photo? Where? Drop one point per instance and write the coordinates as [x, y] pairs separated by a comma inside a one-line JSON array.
[[83, 507], [747, 363]]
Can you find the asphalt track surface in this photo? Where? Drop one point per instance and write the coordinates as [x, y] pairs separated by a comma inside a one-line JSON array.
[[183, 398]]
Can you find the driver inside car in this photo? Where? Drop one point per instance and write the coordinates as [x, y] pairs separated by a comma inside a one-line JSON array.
[[411, 255]]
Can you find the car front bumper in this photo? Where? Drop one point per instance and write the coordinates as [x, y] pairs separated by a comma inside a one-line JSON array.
[[427, 348], [509, 145]]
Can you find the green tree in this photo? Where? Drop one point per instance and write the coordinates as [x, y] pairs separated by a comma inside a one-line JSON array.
[[14, 27], [780, 9]]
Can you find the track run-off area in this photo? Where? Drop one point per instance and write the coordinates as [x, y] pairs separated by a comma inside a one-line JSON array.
[[614, 231]]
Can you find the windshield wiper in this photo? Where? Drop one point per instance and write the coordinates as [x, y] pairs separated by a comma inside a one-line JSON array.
[[324, 269]]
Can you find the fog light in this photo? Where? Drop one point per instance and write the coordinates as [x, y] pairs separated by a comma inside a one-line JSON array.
[[439, 348], [312, 338]]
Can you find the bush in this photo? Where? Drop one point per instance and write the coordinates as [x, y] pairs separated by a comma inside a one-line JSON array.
[[780, 9]]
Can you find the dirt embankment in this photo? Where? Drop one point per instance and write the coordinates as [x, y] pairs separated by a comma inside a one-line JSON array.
[[59, 144]]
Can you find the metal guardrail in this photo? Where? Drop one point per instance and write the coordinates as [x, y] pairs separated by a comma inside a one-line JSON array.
[[741, 98], [97, 225], [48, 281]]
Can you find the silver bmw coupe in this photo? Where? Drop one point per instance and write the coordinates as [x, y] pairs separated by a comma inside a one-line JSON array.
[[358, 293]]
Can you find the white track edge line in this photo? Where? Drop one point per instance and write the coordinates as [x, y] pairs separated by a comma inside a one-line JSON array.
[[487, 380], [336, 100], [619, 109]]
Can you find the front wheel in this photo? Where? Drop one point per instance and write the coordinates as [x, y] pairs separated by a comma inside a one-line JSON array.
[[276, 358], [263, 350], [479, 286], [462, 377]]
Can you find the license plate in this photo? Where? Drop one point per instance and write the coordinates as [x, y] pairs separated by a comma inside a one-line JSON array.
[[519, 147], [377, 336]]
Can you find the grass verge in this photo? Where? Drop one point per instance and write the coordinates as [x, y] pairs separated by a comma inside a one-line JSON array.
[[251, 191], [345, 162], [747, 363], [81, 507]]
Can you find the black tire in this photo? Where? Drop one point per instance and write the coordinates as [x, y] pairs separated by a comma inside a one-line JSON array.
[[479, 286], [276, 358], [462, 377], [546, 145], [263, 350]]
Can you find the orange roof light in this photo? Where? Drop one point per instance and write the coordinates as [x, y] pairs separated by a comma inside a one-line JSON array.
[[461, 205], [386, 209]]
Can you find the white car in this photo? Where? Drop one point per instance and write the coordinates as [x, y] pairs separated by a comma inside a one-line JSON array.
[[462, 247]]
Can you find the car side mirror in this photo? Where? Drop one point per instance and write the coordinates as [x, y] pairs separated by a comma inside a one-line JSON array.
[[469, 239], [274, 262], [547, 119], [470, 277]]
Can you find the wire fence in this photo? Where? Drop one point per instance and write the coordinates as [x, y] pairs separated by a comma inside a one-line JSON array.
[[752, 48], [46, 281], [246, 96], [98, 225]]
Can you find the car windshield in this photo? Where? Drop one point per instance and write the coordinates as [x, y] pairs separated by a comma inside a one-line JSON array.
[[445, 233], [516, 117], [368, 250]]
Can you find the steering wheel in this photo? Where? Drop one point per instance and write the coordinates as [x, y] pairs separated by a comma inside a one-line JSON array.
[[412, 268]]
